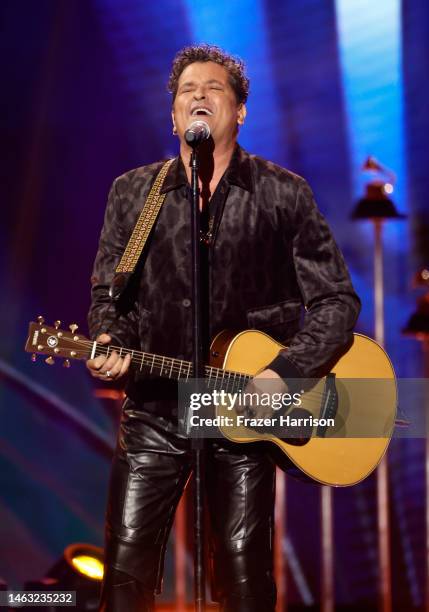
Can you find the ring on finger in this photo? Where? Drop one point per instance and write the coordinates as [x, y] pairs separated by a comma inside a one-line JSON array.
[[108, 374]]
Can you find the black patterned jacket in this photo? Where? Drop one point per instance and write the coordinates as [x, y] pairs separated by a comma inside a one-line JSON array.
[[272, 255]]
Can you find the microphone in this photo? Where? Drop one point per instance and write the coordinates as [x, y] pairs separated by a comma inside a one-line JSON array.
[[196, 133]]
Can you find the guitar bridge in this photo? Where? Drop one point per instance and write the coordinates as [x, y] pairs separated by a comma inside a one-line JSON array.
[[329, 406]]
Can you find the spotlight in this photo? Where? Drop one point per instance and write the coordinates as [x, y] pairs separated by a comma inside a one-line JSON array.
[[375, 205], [80, 569], [86, 560], [88, 566], [418, 323]]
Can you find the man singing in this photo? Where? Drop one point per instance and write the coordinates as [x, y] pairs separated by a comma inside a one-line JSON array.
[[267, 253]]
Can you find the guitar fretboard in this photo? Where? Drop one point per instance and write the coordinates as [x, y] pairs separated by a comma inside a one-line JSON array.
[[173, 368]]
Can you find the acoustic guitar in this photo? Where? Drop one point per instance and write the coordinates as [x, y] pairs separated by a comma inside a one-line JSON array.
[[359, 394]]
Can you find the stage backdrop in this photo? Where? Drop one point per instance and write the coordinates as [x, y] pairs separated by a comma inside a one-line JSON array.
[[83, 100]]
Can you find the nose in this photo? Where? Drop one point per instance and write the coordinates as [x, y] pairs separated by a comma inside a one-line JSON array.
[[200, 93]]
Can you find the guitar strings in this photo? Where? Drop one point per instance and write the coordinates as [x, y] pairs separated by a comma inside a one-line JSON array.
[[168, 364], [158, 360]]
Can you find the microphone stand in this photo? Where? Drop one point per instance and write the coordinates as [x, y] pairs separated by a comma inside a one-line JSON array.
[[198, 372]]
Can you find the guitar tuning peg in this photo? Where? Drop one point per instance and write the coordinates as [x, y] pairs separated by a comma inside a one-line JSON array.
[[73, 327], [40, 320], [57, 324], [66, 363], [33, 357], [50, 360]]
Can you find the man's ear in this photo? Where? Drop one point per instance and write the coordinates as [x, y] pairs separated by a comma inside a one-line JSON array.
[[241, 115], [174, 123]]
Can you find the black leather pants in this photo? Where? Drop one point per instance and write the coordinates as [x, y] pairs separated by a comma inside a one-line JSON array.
[[150, 469]]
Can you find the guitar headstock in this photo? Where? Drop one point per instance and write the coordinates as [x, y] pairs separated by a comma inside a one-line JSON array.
[[56, 342]]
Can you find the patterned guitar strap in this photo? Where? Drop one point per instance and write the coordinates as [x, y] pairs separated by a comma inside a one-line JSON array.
[[138, 239]]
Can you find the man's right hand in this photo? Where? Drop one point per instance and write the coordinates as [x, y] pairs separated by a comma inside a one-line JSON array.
[[108, 368]]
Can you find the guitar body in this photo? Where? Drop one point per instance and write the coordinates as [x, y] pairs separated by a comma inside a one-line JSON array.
[[333, 459]]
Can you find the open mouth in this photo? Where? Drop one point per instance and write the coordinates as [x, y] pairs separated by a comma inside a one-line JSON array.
[[201, 110]]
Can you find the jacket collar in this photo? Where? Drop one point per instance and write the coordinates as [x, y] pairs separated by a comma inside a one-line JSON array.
[[238, 172]]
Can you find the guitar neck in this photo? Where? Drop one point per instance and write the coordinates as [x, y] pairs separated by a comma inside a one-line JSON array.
[[173, 368], [55, 342]]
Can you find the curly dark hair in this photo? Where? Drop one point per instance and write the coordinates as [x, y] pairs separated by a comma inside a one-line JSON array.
[[210, 53]]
